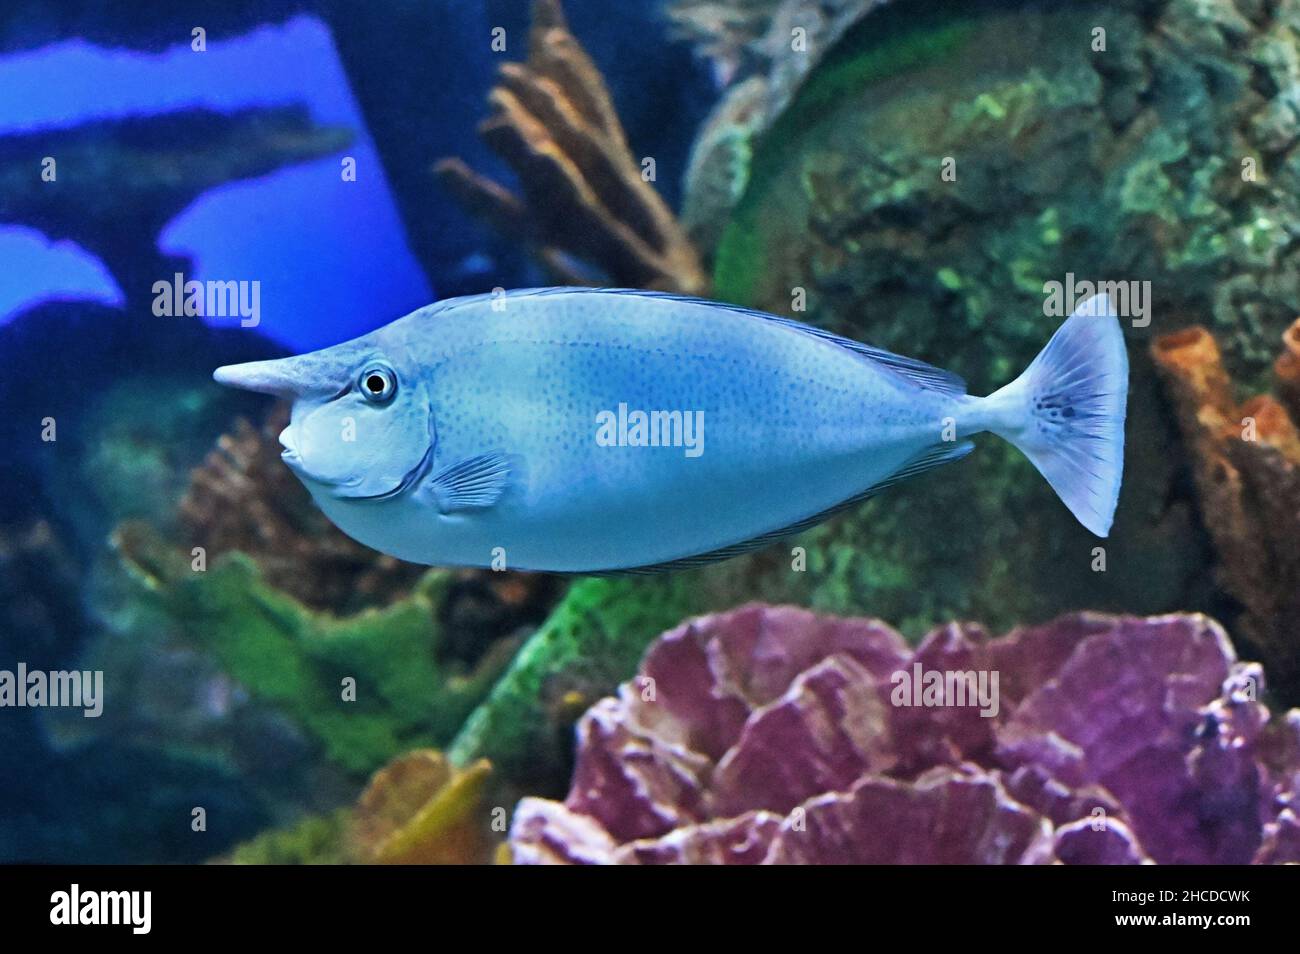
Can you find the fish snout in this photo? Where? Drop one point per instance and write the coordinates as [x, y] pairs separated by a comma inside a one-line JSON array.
[[291, 378]]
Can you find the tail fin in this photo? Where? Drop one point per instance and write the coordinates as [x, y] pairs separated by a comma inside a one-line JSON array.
[[1066, 412]]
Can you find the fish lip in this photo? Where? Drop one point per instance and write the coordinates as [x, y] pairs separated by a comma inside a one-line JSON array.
[[289, 454]]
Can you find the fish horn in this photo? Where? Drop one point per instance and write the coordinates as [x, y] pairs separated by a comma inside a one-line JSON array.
[[284, 377]]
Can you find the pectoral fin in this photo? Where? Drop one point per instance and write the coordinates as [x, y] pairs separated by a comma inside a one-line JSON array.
[[471, 484]]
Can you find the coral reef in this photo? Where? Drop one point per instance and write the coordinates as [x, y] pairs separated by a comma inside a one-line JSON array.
[[774, 735], [591, 640], [421, 810], [845, 200], [243, 498], [584, 195], [1245, 461]]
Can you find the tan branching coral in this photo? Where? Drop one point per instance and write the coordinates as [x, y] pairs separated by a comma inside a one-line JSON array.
[[1246, 465], [584, 196]]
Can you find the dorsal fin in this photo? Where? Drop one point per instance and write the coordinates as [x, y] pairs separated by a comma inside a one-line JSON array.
[[931, 457], [925, 375]]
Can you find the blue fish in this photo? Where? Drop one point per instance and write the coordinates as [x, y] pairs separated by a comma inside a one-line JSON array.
[[596, 430]]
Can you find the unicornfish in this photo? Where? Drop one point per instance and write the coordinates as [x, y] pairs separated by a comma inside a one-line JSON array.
[[602, 430]]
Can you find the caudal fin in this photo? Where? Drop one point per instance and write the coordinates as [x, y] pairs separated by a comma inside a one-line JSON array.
[[1066, 412]]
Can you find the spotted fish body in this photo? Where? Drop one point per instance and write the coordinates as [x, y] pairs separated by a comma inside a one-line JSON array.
[[497, 458]]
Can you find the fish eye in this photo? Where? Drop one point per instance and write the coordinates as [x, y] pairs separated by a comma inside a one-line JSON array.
[[378, 384]]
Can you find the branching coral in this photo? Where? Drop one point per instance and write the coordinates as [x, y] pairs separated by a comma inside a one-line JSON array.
[[584, 195], [774, 735], [1246, 464]]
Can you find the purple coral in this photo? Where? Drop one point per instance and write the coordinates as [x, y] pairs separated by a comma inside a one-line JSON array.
[[774, 735]]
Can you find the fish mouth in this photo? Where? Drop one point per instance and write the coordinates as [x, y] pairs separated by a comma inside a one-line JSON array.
[[289, 454]]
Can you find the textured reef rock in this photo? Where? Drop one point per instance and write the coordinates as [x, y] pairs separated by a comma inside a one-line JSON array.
[[764, 49], [1246, 465], [772, 735], [1123, 163], [584, 196]]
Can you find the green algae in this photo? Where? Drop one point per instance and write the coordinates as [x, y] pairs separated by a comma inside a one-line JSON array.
[[367, 686], [1136, 150], [592, 640], [315, 840]]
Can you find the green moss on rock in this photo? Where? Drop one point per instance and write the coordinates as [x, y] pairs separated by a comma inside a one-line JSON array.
[[592, 640], [297, 660], [316, 840]]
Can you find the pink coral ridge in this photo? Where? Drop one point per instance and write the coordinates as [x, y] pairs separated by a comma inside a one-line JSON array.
[[768, 735]]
